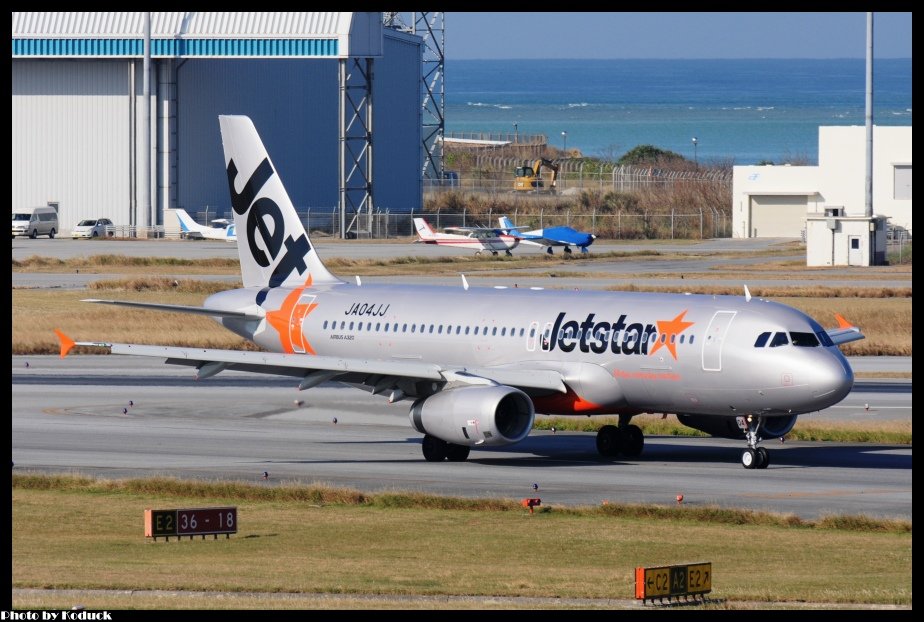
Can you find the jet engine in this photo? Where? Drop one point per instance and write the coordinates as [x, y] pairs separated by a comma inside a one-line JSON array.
[[476, 415], [727, 427]]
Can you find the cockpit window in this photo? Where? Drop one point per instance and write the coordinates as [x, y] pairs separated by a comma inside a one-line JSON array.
[[779, 339], [761, 340], [804, 340], [824, 339]]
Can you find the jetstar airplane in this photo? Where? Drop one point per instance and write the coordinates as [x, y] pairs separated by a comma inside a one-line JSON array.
[[194, 231], [549, 237], [476, 364], [479, 238]]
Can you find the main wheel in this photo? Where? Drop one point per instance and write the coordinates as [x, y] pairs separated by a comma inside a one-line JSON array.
[[494, 253], [764, 457], [749, 459], [434, 449], [633, 441], [567, 250], [51, 234], [509, 254], [609, 439], [95, 234], [457, 453], [549, 251]]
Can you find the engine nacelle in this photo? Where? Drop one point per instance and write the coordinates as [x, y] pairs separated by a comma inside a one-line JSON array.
[[727, 427], [476, 415]]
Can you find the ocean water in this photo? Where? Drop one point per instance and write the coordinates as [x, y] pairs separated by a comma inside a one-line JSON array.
[[740, 111]]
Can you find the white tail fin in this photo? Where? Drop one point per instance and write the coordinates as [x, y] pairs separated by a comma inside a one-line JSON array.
[[506, 225], [272, 243], [187, 224], [423, 229]]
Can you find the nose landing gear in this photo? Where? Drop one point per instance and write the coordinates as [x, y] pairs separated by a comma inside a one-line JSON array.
[[754, 457]]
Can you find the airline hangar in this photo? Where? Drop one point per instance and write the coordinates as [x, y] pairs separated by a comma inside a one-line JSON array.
[[307, 79]]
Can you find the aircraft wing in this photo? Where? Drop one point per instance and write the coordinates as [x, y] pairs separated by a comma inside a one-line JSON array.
[[152, 306], [845, 332], [314, 370]]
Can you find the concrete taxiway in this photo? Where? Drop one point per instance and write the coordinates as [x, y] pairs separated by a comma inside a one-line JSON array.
[[123, 416]]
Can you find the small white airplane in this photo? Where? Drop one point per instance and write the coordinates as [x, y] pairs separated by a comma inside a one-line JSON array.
[[479, 238], [194, 231]]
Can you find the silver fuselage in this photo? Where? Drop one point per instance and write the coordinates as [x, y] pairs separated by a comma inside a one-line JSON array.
[[618, 352]]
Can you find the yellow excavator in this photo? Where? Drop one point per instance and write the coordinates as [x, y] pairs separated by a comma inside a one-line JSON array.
[[529, 178]]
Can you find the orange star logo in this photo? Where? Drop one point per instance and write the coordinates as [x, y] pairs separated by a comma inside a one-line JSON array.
[[668, 331], [287, 320]]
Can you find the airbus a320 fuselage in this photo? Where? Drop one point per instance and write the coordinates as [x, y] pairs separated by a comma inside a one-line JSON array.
[[477, 364]]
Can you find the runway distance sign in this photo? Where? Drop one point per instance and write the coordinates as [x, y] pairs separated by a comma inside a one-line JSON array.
[[190, 522], [673, 581]]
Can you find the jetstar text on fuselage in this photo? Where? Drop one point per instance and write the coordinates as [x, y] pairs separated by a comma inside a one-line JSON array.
[[619, 337]]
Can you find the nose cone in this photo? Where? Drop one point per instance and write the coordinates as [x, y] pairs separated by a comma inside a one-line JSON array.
[[832, 379]]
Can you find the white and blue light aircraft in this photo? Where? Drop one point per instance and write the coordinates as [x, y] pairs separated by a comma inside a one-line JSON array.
[[549, 236], [226, 230]]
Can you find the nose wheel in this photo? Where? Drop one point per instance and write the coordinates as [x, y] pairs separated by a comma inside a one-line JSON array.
[[754, 457]]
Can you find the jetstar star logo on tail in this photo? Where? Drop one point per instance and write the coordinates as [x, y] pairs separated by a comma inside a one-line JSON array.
[[619, 337], [287, 320]]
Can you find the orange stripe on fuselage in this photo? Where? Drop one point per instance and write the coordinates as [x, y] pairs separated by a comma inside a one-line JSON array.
[[569, 403]]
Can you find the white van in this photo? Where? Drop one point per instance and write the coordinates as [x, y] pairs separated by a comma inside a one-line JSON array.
[[35, 221]]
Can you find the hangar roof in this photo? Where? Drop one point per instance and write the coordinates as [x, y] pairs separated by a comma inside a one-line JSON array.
[[196, 34]]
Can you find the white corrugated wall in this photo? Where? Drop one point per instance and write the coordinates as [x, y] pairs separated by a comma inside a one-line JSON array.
[[70, 138]]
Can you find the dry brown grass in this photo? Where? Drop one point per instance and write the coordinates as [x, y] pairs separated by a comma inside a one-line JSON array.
[[36, 314], [434, 547]]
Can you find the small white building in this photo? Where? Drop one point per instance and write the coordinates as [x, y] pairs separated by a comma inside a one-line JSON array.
[[833, 239], [774, 201]]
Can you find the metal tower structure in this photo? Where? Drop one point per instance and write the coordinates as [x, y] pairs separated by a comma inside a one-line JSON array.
[[430, 26], [356, 185]]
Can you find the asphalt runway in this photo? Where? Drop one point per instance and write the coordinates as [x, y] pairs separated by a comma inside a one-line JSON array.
[[67, 415]]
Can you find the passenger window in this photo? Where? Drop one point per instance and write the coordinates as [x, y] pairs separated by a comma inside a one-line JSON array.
[[779, 339], [466, 330], [691, 338], [504, 332], [413, 328], [431, 328], [494, 332], [804, 340], [404, 328], [342, 325], [351, 325], [458, 329], [681, 338], [762, 340], [386, 327], [325, 324], [378, 325], [438, 330]]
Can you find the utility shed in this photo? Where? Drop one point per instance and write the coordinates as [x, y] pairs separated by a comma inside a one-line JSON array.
[[833, 239], [309, 81]]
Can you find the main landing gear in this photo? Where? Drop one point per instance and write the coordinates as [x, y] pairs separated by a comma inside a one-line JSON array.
[[437, 450], [625, 439], [754, 457]]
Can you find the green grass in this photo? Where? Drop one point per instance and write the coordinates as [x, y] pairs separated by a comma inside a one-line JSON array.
[[81, 533], [880, 432]]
